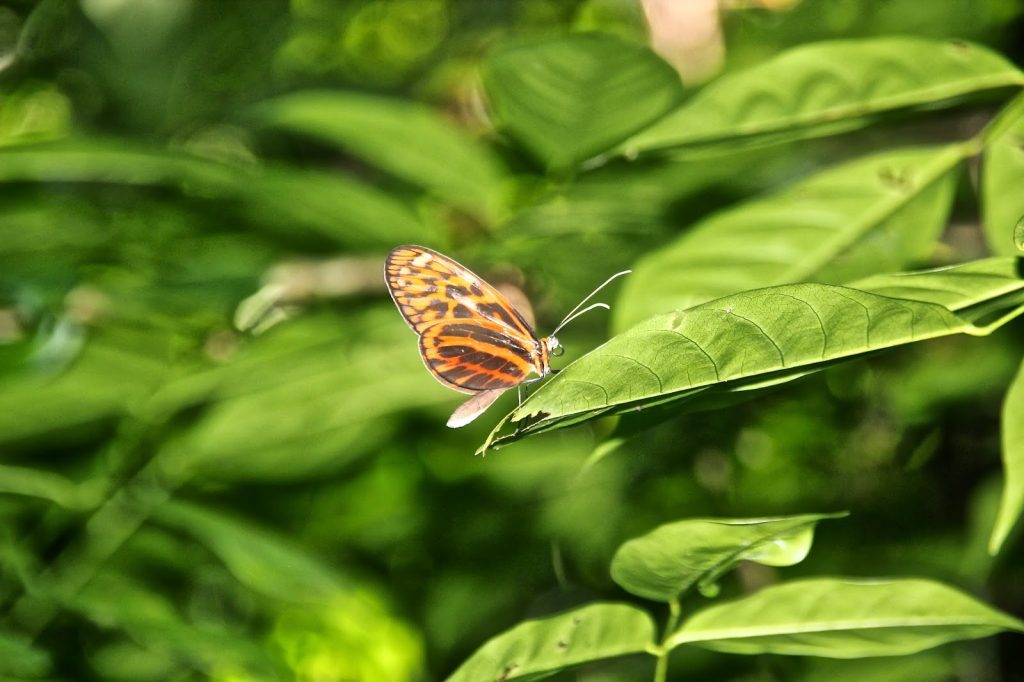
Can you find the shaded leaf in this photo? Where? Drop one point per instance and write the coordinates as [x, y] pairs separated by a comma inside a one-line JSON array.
[[1012, 503], [537, 648], [1002, 177], [407, 139], [20, 659], [279, 199], [669, 560], [152, 621], [839, 618], [259, 560], [568, 98], [874, 214], [828, 87]]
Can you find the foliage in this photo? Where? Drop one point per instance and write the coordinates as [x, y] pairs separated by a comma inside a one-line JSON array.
[[221, 458]]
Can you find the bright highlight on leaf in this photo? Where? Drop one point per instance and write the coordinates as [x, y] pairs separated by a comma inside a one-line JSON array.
[[1013, 463]]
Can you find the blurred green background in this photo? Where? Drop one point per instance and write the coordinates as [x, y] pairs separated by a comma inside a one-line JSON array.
[[183, 499]]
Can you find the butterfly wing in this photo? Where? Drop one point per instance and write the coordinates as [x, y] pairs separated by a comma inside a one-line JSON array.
[[475, 355], [428, 287], [474, 407]]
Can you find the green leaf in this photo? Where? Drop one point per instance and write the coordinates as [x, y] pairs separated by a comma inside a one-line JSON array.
[[838, 618], [1018, 234], [669, 560], [956, 287], [744, 341], [539, 648], [407, 139], [828, 87], [20, 659], [874, 214], [568, 98], [152, 620], [1002, 177], [259, 560], [1012, 503], [48, 486], [291, 382], [279, 199]]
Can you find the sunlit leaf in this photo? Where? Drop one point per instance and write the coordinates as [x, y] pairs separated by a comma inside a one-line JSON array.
[[875, 214], [744, 341], [1001, 179], [538, 648], [568, 98], [1013, 463], [828, 87], [839, 618], [257, 558], [672, 558], [407, 139]]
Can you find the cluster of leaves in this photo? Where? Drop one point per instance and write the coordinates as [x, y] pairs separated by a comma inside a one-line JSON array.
[[832, 617], [183, 500]]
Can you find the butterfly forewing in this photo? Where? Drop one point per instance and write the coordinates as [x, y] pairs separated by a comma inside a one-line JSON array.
[[428, 287]]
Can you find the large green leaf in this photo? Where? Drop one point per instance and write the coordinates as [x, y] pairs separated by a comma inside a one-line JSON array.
[[839, 618], [568, 98], [258, 559], [1013, 463], [408, 139], [1001, 180], [539, 648], [672, 558], [280, 199], [875, 214], [740, 342], [828, 87]]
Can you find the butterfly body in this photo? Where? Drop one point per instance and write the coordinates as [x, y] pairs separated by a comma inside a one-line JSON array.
[[471, 338]]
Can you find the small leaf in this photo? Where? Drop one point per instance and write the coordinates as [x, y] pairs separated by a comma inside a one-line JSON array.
[[1012, 503], [1018, 234], [1002, 176], [828, 87], [20, 659], [839, 618], [670, 559], [538, 648], [568, 98], [258, 559], [404, 138], [875, 214], [48, 486]]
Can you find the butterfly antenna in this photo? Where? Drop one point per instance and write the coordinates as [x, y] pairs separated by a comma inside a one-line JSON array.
[[573, 314]]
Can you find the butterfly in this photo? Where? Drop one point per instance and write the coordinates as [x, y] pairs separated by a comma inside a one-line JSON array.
[[471, 338]]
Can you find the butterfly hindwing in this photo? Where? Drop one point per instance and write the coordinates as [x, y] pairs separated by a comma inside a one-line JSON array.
[[475, 355]]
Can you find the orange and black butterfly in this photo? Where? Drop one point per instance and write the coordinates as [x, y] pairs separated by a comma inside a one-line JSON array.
[[472, 338]]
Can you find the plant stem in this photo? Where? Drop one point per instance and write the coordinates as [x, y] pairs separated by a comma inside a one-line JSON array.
[[661, 667]]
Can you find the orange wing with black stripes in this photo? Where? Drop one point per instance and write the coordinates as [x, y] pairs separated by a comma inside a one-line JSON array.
[[471, 338]]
